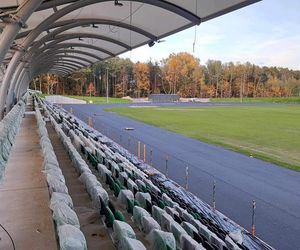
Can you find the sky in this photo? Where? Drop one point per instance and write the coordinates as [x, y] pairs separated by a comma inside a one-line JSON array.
[[266, 33]]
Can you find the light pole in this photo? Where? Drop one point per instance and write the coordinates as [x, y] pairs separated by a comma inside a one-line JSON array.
[[154, 91], [106, 85], [100, 82]]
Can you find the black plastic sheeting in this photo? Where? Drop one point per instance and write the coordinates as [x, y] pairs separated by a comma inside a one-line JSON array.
[[175, 191]]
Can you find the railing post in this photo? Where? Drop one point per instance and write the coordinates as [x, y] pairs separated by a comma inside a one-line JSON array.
[[214, 195], [139, 150], [144, 152], [187, 177], [151, 157], [167, 167], [253, 218]]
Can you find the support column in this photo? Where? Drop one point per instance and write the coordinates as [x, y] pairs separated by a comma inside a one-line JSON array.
[[24, 84], [13, 86], [20, 83]]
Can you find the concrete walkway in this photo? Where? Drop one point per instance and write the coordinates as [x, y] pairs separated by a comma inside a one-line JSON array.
[[24, 194]]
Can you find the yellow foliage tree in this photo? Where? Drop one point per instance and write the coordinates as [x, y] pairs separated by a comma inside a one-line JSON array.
[[142, 78], [183, 74], [91, 89]]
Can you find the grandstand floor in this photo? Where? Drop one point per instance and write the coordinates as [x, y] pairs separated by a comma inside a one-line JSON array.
[[275, 189], [24, 210]]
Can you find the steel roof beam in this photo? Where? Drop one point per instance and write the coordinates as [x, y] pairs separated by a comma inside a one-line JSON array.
[[62, 56], [72, 51], [158, 3], [68, 36], [88, 46], [62, 26], [58, 59], [59, 41]]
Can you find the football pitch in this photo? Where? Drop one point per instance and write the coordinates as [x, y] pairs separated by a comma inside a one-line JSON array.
[[270, 133]]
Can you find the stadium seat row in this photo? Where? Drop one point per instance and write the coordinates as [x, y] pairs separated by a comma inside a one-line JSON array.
[[66, 220], [8, 129]]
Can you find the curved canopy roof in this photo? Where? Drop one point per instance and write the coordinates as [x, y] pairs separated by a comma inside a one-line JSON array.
[[64, 35]]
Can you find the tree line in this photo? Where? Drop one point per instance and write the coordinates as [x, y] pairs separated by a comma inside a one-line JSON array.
[[180, 74]]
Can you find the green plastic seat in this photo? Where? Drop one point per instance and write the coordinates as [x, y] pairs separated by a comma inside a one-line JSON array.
[[119, 216], [129, 175], [119, 183], [161, 204], [131, 204], [196, 216], [136, 203], [93, 160], [143, 189], [116, 189], [109, 180], [109, 217]]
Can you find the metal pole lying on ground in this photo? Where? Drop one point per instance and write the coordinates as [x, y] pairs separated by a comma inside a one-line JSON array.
[[253, 218], [139, 150]]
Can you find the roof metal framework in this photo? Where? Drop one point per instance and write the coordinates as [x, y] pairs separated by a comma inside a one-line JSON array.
[[50, 35]]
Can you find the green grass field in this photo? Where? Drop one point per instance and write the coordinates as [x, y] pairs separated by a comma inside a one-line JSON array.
[[95, 99], [283, 100], [268, 133]]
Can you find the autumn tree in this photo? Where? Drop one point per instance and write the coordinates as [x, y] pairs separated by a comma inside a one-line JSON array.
[[81, 77], [183, 74], [179, 73], [51, 82], [156, 77], [141, 76], [91, 91]]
